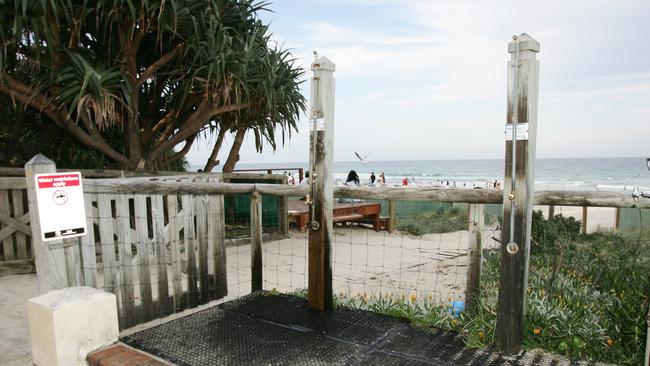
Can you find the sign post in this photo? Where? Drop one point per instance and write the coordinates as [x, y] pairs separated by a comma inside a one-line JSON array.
[[56, 212]]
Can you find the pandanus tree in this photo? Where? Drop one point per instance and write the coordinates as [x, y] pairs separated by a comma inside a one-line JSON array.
[[162, 73]]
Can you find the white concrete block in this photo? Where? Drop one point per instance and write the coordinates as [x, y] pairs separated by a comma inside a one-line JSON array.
[[68, 324]]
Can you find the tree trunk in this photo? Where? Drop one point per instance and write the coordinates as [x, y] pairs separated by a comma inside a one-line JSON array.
[[233, 157], [212, 160]]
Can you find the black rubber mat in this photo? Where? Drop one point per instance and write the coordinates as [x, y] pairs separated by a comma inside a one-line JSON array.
[[265, 329]]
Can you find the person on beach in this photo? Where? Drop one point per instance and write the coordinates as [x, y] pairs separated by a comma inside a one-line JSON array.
[[405, 182], [305, 179], [291, 180], [353, 179], [372, 178]]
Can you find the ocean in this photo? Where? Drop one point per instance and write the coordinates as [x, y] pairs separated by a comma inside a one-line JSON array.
[[616, 174]]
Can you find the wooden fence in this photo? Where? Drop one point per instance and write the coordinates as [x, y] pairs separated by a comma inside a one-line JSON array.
[[178, 222]]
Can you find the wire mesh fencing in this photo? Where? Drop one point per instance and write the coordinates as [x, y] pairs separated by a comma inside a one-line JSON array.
[[424, 257]]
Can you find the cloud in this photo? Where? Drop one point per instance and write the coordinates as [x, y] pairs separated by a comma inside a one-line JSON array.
[[427, 75]]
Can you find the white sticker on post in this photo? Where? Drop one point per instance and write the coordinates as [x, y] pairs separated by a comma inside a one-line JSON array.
[[61, 208], [521, 132], [320, 124]]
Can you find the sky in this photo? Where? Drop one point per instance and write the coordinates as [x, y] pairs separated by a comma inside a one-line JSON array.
[[426, 79]]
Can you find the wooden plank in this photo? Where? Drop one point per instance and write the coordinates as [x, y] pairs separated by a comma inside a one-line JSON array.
[[513, 279], [283, 214], [144, 249], [175, 251], [474, 258], [321, 147], [190, 242], [131, 186], [126, 284], [160, 245], [17, 267], [49, 256], [107, 243], [202, 236], [584, 219], [20, 222], [21, 239], [560, 198], [256, 242], [15, 224], [13, 183], [7, 220], [217, 225], [392, 216], [88, 253]]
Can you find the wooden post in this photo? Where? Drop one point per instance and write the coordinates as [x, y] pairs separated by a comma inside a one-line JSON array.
[[256, 242], [321, 154], [584, 219], [49, 257], [391, 216], [513, 281], [551, 211], [283, 211], [475, 225], [617, 220]]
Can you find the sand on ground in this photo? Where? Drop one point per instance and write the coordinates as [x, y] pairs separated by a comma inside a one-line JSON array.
[[15, 344]]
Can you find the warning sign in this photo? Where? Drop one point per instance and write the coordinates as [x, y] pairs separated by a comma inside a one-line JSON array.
[[61, 209]]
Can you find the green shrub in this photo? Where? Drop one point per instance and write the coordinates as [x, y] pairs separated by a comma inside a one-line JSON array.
[[441, 220], [594, 308]]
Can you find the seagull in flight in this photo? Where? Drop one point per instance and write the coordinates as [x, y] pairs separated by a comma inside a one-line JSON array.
[[362, 160]]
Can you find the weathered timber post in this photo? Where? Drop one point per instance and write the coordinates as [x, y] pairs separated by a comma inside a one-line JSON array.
[[283, 210], [391, 216], [256, 241], [523, 81], [49, 257], [475, 225], [322, 195], [617, 219], [584, 219], [551, 211]]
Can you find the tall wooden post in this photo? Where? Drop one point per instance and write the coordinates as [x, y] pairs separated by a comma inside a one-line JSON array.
[[584, 219], [523, 81], [49, 257], [256, 242], [322, 195], [475, 226]]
